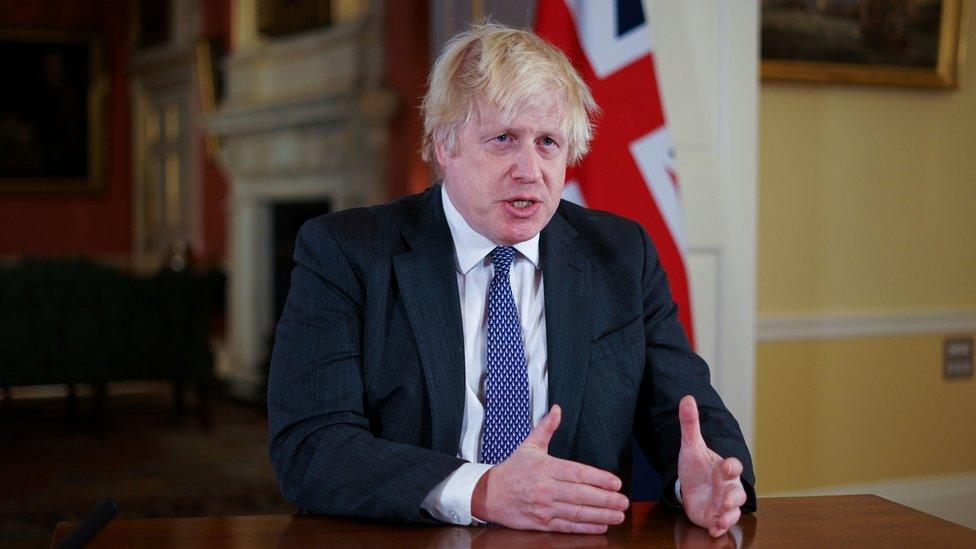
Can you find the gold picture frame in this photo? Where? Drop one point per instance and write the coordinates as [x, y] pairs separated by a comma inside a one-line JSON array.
[[943, 50], [51, 112], [208, 54]]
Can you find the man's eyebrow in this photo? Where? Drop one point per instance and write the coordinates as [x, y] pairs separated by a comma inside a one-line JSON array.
[[492, 129], [554, 133]]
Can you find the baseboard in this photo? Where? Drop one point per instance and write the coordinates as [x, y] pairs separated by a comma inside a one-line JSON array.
[[123, 262], [86, 390], [951, 497], [825, 326]]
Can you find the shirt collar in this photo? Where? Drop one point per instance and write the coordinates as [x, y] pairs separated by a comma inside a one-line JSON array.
[[471, 247]]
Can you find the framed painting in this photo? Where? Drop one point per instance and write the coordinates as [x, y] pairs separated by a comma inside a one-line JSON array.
[[51, 112], [281, 17], [893, 42], [151, 23]]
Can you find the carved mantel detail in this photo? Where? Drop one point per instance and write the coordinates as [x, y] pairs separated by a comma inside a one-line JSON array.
[[304, 119]]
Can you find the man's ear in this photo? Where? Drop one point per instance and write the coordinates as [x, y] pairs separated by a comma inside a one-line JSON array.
[[440, 151]]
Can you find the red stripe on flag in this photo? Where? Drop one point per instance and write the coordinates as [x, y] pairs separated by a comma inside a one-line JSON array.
[[609, 176]]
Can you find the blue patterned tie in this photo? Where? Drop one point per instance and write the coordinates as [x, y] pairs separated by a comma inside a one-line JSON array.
[[507, 416]]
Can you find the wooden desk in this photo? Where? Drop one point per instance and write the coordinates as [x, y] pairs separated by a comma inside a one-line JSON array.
[[833, 521]]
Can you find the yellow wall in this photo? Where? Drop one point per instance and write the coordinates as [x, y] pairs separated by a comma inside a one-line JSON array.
[[867, 205], [850, 411]]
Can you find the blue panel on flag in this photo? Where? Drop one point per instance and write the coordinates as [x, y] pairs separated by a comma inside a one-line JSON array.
[[630, 14]]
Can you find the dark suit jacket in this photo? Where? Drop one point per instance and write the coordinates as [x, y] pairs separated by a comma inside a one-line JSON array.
[[366, 390]]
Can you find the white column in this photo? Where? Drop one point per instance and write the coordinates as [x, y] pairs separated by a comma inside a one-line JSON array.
[[250, 296]]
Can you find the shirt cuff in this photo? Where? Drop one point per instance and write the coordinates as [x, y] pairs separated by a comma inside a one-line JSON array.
[[450, 500]]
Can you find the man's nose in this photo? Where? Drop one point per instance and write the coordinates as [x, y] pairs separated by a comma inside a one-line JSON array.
[[526, 167]]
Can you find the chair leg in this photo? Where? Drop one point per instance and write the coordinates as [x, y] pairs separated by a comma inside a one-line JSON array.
[[72, 402], [98, 404], [179, 400], [205, 404]]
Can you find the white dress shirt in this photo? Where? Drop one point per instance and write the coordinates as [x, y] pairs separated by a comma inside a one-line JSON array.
[[450, 501]]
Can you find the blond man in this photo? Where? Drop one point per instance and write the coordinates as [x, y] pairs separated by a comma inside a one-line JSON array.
[[483, 351]]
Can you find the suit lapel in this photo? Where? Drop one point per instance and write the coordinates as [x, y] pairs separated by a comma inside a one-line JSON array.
[[566, 274], [426, 278]]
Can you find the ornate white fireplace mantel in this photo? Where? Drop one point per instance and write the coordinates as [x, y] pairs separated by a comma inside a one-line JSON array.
[[304, 119]]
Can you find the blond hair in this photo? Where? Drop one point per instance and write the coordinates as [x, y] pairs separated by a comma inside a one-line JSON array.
[[506, 67]]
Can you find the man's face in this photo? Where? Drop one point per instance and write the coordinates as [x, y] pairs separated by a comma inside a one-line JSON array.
[[506, 177]]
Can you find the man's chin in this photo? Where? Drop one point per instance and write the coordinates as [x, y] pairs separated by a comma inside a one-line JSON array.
[[520, 230], [513, 236]]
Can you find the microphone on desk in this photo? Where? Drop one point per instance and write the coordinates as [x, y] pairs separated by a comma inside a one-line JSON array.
[[87, 528]]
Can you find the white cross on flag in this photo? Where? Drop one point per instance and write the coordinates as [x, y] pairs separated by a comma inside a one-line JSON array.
[[629, 170]]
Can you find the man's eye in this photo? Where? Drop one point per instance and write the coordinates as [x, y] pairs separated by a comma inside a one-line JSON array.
[[503, 138], [548, 141]]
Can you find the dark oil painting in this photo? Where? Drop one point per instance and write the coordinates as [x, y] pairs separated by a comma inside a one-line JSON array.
[[885, 32], [862, 35], [46, 115]]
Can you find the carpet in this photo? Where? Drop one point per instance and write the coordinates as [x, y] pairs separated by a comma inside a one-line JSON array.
[[54, 467]]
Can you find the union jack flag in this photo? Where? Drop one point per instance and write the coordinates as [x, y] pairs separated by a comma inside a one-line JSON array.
[[630, 169]]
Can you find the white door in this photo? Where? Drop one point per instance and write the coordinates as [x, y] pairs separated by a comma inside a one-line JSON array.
[[707, 57]]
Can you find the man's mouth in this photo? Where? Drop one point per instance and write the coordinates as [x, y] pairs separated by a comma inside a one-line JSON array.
[[521, 204]]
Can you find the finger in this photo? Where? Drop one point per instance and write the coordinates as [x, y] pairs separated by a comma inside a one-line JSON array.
[[584, 494], [587, 514], [688, 416], [542, 433], [734, 499], [563, 525], [727, 520], [731, 468], [570, 471], [721, 489], [716, 532], [727, 492]]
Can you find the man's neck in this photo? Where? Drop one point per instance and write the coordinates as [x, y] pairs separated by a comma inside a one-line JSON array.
[[470, 246]]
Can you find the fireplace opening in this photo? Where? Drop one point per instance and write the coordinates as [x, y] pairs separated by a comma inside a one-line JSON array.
[[288, 218]]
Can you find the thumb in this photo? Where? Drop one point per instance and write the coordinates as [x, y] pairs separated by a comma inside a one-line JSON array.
[[542, 433], [688, 416]]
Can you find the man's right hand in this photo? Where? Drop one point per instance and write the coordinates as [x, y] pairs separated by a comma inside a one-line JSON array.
[[532, 490]]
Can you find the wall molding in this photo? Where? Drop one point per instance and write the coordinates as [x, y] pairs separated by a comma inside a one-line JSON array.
[[840, 326], [946, 496]]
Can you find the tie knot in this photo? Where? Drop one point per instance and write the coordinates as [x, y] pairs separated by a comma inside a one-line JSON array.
[[502, 257]]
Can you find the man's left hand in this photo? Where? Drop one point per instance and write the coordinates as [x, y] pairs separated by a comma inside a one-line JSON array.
[[711, 488]]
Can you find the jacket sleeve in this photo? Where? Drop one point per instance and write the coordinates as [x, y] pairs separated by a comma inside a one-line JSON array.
[[673, 370], [323, 452]]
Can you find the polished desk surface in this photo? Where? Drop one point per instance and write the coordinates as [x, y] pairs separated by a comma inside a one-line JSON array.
[[829, 521]]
